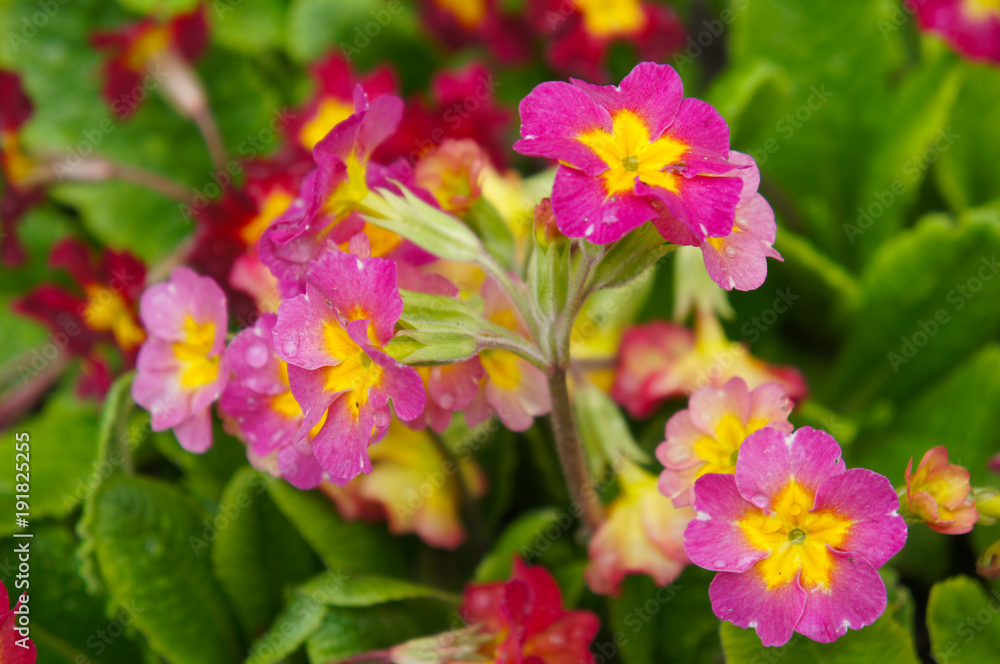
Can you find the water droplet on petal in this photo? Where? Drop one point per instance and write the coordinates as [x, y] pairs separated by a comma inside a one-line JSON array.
[[721, 564], [382, 418], [446, 401], [291, 346], [256, 355], [760, 500], [730, 252]]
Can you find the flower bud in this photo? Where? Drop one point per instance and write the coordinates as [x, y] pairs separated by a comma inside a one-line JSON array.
[[938, 493]]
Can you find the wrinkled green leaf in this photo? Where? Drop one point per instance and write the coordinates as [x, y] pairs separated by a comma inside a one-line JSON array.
[[962, 620]]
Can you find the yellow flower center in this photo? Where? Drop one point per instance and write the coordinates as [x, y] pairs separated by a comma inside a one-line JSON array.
[[331, 112], [356, 373], [344, 199], [608, 18], [980, 9], [199, 368], [275, 203], [796, 538], [502, 368], [107, 311], [629, 153], [469, 13], [152, 41], [720, 452]]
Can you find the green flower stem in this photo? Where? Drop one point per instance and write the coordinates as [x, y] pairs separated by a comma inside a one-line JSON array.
[[590, 258], [571, 454]]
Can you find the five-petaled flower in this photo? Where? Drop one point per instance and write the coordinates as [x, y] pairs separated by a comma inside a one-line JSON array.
[[633, 153], [938, 493], [706, 437], [333, 339], [182, 369], [797, 538]]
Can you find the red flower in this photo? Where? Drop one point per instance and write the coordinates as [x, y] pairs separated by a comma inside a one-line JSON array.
[[463, 105], [137, 46], [105, 310], [225, 248], [528, 621], [460, 23], [14, 648], [18, 195], [580, 34], [333, 100]]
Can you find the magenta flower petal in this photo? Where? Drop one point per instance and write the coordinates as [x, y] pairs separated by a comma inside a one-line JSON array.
[[300, 333], [877, 530], [713, 540], [705, 205], [651, 90], [359, 289], [341, 446], [769, 457], [583, 209], [739, 260], [855, 599], [700, 126], [745, 600], [552, 116]]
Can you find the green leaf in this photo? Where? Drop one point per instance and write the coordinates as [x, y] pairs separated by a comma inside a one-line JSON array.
[[947, 413], [62, 462], [920, 316], [255, 551], [302, 615], [604, 430], [884, 642], [350, 631], [915, 134], [346, 591], [142, 531], [160, 7], [965, 173], [548, 276], [494, 231], [247, 27], [733, 91], [68, 625], [353, 547], [813, 140], [962, 621], [520, 538], [426, 226], [630, 258]]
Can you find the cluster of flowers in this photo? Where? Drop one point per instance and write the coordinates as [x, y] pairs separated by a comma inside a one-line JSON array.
[[577, 34], [316, 371]]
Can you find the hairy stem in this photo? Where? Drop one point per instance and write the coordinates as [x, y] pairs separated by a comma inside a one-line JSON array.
[[571, 455]]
